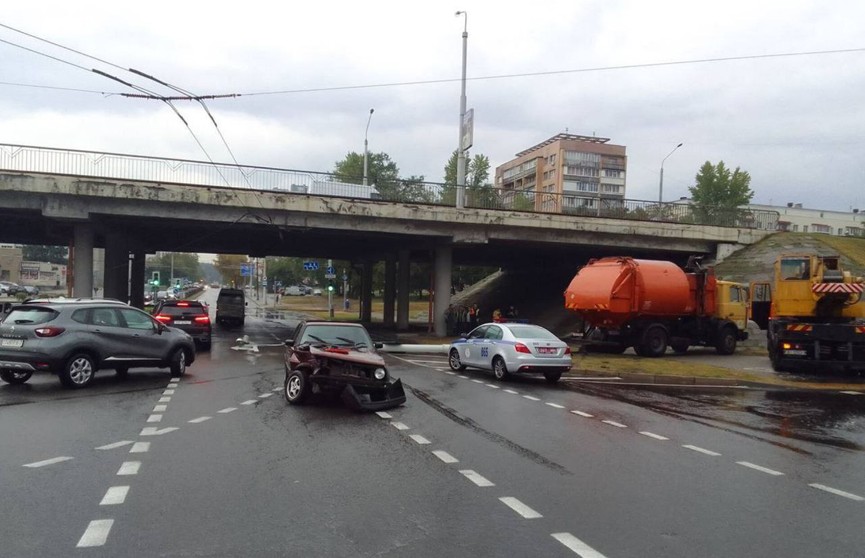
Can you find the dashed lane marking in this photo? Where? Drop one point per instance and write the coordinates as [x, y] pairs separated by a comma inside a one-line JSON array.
[[532, 398], [554, 405], [477, 381], [445, 456], [115, 445], [51, 461], [614, 423], [759, 468], [655, 436], [701, 450], [115, 495], [520, 508], [174, 380], [463, 377], [153, 431], [476, 478], [492, 386], [400, 426], [512, 392], [160, 408], [582, 414], [129, 468], [419, 439], [199, 419], [384, 415], [574, 544], [140, 447], [249, 402], [164, 400], [852, 393], [96, 533], [264, 395], [277, 389], [837, 492], [449, 373], [227, 410], [154, 418], [168, 392]]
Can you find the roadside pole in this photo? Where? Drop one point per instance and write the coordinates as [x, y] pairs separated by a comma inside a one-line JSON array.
[[329, 275]]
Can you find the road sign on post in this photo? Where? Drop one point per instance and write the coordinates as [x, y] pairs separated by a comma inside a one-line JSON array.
[[330, 275]]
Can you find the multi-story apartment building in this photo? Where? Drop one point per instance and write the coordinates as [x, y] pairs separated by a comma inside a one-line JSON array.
[[566, 173], [795, 218]]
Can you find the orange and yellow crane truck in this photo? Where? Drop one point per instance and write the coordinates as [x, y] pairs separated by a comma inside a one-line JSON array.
[[817, 316], [651, 304]]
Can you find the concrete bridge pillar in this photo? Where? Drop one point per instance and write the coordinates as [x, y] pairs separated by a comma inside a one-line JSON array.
[[403, 290], [116, 267], [136, 279], [389, 289], [443, 281], [83, 263], [366, 292]]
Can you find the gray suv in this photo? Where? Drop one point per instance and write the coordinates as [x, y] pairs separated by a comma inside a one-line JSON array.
[[75, 338]]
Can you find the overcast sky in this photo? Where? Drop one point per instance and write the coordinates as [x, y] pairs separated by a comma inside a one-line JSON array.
[[794, 123]]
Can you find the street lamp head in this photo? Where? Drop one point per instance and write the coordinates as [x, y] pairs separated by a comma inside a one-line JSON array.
[[680, 145], [372, 110], [459, 13]]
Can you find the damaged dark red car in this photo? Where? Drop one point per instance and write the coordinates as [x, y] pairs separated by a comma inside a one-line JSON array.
[[339, 358]]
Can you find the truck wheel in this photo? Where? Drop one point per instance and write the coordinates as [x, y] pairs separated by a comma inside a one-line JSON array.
[[454, 361], [78, 371], [654, 342], [500, 369], [296, 387], [15, 376], [680, 347], [726, 344]]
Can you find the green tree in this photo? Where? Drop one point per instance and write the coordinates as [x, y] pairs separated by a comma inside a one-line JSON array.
[[479, 190], [41, 253], [719, 193], [185, 266], [382, 172], [228, 265]]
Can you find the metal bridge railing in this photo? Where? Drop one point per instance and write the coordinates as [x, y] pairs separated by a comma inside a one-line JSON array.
[[202, 173]]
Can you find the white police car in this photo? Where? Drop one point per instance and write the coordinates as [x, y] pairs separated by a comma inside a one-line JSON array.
[[511, 348]]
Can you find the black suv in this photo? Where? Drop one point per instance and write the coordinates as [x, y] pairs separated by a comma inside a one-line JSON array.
[[191, 316], [74, 338], [339, 358]]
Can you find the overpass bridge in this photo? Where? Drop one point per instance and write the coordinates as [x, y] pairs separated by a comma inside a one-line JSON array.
[[131, 206]]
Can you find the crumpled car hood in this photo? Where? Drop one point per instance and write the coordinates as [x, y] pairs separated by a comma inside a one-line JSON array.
[[348, 354]]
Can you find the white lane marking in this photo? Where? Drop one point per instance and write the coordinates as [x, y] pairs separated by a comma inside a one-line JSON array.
[[442, 362], [614, 423], [173, 380], [51, 461], [384, 415], [249, 402], [492, 386], [129, 468], [140, 447], [115, 495], [477, 381], [153, 431], [199, 419], [400, 426], [154, 418], [96, 533], [164, 400], [759, 468], [577, 546], [556, 405], [532, 398], [463, 377], [445, 456], [520, 508], [582, 414], [449, 373], [837, 492], [476, 478], [512, 391], [701, 450], [227, 410], [115, 445], [852, 393], [419, 439], [264, 395], [160, 408], [168, 392], [655, 436], [277, 389]]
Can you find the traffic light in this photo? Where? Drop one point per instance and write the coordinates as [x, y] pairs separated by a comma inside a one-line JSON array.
[[330, 287], [154, 280]]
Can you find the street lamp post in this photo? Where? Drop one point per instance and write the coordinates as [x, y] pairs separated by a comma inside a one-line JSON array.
[[461, 155], [365, 145], [661, 185]]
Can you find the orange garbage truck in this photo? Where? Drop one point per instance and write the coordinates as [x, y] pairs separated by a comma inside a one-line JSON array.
[[651, 304]]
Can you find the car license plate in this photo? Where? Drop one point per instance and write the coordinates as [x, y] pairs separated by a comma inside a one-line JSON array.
[[12, 343], [795, 352], [182, 322], [547, 350]]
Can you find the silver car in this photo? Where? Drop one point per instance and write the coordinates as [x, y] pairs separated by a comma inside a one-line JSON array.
[[511, 348]]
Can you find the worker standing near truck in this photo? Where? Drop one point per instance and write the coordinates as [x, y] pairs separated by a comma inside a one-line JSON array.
[[650, 305]]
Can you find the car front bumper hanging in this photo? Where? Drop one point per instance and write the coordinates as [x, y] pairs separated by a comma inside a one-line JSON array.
[[364, 399]]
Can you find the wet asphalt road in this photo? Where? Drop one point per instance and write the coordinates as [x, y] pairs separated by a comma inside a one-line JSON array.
[[230, 470]]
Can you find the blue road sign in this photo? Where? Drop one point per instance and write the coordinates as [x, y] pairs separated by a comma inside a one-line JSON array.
[[330, 270], [310, 266], [245, 270]]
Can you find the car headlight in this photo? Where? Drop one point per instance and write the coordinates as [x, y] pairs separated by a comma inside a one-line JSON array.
[[380, 373]]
